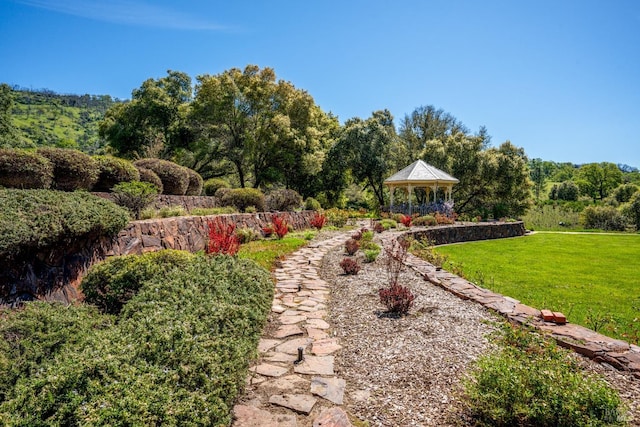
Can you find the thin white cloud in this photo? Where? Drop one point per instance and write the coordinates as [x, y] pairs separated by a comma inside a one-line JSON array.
[[126, 12]]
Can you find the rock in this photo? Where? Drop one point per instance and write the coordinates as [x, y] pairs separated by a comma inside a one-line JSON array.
[[302, 403], [285, 331], [269, 370], [325, 346], [264, 344], [331, 389], [333, 417], [291, 346], [315, 365], [248, 416]]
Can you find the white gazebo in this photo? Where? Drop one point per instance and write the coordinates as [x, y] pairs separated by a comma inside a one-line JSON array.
[[420, 175]]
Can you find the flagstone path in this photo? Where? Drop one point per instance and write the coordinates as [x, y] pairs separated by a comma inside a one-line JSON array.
[[295, 372]]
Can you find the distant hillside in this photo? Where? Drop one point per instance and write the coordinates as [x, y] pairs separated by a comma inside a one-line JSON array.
[[45, 118]]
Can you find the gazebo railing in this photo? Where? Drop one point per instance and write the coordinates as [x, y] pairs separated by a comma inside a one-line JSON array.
[[421, 209]]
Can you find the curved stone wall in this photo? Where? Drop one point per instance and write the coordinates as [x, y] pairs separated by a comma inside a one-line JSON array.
[[467, 232]]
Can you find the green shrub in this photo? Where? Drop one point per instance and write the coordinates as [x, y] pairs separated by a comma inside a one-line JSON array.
[[623, 193], [31, 219], [171, 211], [195, 183], [388, 223], [213, 184], [225, 210], [425, 221], [24, 169], [110, 284], [178, 354], [312, 204], [135, 196], [242, 198], [147, 175], [247, 234], [283, 200], [72, 169], [370, 255], [337, 217], [114, 170], [632, 210], [604, 218], [175, 178], [530, 381]]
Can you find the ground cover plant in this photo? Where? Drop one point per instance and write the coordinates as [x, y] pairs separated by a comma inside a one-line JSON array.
[[591, 278], [31, 219], [530, 381], [176, 354], [267, 252]]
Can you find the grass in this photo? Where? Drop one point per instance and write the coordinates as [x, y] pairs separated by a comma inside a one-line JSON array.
[[266, 251], [591, 278], [550, 218]]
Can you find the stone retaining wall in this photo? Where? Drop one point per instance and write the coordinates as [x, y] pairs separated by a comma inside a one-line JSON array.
[[467, 232], [54, 274]]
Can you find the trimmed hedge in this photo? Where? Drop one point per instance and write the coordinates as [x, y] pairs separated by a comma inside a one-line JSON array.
[[147, 175], [178, 354], [31, 219], [175, 178], [72, 169], [114, 170], [283, 200], [213, 184], [24, 169], [242, 198], [195, 183]]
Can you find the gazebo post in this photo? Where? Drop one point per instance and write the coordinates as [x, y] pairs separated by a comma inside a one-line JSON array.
[[410, 190], [391, 188]]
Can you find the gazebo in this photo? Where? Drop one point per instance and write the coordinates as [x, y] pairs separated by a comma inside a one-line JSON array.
[[420, 175]]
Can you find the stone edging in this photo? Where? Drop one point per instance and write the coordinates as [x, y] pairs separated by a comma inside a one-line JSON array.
[[617, 353]]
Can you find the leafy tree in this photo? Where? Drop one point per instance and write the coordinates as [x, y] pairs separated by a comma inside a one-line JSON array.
[[267, 130], [596, 180], [154, 123], [538, 177], [366, 146]]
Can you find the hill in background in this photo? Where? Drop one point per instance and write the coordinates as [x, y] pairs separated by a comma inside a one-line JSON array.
[[45, 118]]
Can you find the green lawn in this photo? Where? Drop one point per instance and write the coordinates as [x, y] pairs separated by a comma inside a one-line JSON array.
[[594, 279]]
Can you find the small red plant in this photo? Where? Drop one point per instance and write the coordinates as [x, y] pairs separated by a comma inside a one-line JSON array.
[[444, 219], [351, 246], [350, 266], [319, 220], [357, 235], [222, 238], [267, 231], [378, 228], [405, 220], [280, 226], [397, 299]]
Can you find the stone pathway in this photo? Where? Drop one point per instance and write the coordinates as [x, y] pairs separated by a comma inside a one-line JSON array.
[[295, 369]]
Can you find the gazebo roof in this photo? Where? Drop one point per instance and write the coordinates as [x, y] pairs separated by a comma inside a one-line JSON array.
[[420, 172]]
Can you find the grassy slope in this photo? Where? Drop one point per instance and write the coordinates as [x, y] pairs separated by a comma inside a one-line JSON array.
[[266, 252], [585, 276]]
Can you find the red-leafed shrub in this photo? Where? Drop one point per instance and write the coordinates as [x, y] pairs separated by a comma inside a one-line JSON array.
[[280, 226], [357, 235], [378, 228], [350, 266], [405, 220], [444, 219], [397, 299], [222, 238], [267, 230], [351, 246], [318, 221]]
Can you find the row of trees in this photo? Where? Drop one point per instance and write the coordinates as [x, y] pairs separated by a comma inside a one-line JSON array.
[[262, 132]]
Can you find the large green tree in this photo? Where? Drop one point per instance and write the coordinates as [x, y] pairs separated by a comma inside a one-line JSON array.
[[269, 131], [597, 180], [153, 123]]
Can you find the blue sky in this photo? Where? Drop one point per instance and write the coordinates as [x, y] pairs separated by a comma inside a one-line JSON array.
[[559, 78]]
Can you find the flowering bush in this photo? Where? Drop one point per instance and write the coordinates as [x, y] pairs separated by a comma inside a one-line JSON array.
[[350, 266], [280, 226], [222, 238], [351, 246], [319, 220], [405, 220], [397, 299]]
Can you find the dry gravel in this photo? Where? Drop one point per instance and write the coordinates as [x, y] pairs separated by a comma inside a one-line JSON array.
[[407, 371]]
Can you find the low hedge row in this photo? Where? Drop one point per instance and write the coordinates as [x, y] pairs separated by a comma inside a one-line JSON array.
[[177, 354], [69, 170], [31, 219]]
